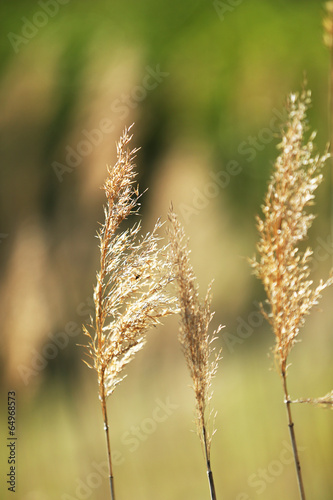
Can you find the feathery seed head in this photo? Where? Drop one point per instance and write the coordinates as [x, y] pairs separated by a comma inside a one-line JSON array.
[[193, 335], [130, 294], [282, 267]]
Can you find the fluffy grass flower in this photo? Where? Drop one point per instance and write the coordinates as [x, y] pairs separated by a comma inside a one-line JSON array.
[[282, 267], [130, 293], [194, 336]]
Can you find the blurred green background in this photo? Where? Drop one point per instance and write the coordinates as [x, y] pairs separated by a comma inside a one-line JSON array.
[[206, 84]]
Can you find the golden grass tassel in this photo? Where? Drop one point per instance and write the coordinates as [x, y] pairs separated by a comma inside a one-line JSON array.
[[194, 338], [130, 294], [282, 267]]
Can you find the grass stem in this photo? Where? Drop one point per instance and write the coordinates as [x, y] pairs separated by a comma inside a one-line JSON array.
[[293, 438], [130, 293], [209, 470], [107, 435], [211, 482]]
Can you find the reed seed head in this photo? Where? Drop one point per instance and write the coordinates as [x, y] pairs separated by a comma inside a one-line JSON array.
[[130, 294], [196, 315], [281, 266]]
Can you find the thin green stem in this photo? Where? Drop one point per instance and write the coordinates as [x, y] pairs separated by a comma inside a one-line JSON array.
[[293, 438]]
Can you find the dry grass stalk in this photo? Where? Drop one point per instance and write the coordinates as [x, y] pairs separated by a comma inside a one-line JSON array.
[[323, 402], [130, 294], [195, 340], [282, 267]]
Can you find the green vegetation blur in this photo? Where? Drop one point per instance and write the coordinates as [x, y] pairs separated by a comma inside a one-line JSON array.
[[205, 84]]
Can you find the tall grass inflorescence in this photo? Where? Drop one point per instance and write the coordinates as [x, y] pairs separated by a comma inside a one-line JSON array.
[[130, 293], [194, 337], [281, 266]]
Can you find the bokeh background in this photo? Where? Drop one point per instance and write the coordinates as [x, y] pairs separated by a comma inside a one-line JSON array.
[[205, 83]]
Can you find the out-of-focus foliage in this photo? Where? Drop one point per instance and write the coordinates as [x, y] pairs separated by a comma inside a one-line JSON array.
[[205, 84]]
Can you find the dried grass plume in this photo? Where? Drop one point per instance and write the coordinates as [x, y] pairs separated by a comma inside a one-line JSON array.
[[194, 337], [130, 294], [282, 267]]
